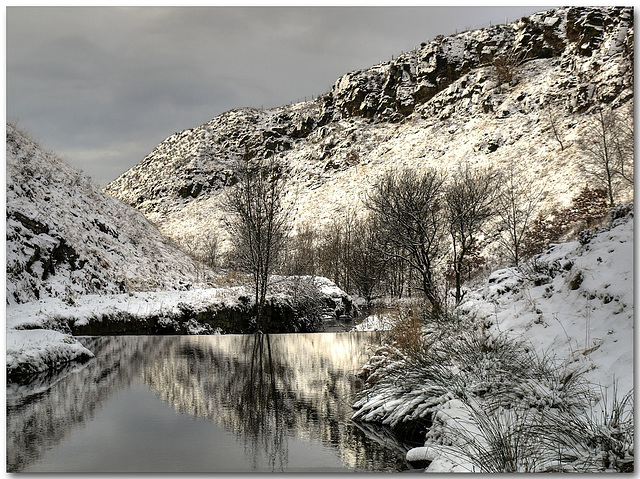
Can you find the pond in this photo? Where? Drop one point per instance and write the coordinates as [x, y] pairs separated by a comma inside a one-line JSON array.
[[227, 403]]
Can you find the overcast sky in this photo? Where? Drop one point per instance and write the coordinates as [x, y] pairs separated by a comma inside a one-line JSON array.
[[102, 86]]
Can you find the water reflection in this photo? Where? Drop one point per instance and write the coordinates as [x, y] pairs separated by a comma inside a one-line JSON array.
[[39, 416], [265, 389], [282, 385]]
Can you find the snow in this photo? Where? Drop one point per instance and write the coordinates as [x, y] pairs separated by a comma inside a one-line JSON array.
[[590, 326], [572, 304], [376, 322], [35, 351], [38, 314], [35, 345], [591, 323]]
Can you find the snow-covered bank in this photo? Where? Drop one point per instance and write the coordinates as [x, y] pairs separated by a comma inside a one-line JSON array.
[[36, 330], [35, 351], [537, 362]]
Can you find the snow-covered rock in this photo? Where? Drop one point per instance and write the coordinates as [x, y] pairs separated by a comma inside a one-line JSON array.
[[435, 106]]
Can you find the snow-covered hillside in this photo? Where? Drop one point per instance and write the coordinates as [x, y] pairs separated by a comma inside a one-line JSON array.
[[576, 299], [567, 313], [66, 238], [439, 105]]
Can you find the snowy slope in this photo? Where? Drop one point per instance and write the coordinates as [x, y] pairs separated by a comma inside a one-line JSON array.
[[573, 307], [66, 238], [575, 299], [576, 304], [438, 105]]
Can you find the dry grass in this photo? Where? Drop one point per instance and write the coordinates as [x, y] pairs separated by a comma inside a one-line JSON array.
[[406, 335]]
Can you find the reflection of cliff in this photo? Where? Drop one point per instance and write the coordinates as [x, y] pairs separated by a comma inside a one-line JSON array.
[[35, 422], [265, 388]]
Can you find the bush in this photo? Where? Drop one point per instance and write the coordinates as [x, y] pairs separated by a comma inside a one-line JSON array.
[[587, 208], [406, 334], [505, 67], [456, 360]]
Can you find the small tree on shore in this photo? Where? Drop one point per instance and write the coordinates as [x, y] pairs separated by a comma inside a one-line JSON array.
[[366, 264], [258, 222]]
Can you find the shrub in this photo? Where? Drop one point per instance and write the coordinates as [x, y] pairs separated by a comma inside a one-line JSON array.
[[505, 67], [587, 208]]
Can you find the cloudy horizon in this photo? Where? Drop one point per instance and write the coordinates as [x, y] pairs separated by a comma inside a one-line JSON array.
[[103, 86]]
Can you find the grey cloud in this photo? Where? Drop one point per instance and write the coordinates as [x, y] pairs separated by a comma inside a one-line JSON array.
[[104, 85]]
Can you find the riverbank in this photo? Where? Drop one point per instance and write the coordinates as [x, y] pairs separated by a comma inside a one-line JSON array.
[[40, 334], [538, 363]]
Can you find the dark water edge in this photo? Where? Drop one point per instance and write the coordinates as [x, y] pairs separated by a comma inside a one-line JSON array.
[[225, 403]]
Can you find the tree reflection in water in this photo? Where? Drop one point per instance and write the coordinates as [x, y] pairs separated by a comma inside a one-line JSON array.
[[267, 390], [261, 406]]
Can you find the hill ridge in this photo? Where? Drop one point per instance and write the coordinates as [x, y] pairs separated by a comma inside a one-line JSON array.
[[438, 105]]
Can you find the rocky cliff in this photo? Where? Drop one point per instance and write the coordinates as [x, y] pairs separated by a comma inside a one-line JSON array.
[[480, 97]]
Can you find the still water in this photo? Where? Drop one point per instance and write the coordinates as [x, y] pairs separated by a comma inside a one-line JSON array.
[[231, 403]]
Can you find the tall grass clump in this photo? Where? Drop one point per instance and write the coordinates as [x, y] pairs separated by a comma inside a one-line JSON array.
[[523, 411], [607, 433], [503, 440], [523, 439]]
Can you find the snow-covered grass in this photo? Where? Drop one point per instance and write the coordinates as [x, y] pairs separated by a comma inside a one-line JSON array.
[[533, 372]]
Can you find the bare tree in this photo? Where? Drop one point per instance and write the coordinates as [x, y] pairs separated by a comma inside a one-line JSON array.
[[302, 257], [258, 222], [608, 144], [408, 207], [336, 249], [506, 66], [367, 266], [210, 251], [516, 206], [623, 143], [470, 198]]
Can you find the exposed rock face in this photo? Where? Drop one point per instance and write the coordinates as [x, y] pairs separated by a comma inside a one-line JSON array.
[[392, 90], [65, 237], [445, 102]]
